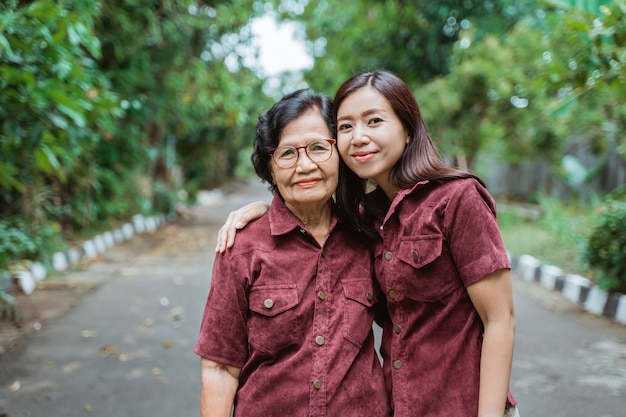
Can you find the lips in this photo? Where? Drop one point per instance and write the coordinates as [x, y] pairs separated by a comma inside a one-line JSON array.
[[363, 156], [308, 182]]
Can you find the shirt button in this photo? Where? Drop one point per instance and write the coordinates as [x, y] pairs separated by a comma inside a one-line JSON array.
[[317, 384], [397, 328], [388, 256], [369, 296], [268, 303], [323, 254], [392, 294], [321, 295], [319, 340], [416, 256], [397, 364], [381, 227]]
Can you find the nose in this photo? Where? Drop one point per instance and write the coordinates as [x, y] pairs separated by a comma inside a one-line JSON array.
[[359, 135], [304, 163]]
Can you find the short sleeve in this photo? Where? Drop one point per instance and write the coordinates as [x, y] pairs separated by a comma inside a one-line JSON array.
[[223, 336], [472, 231]]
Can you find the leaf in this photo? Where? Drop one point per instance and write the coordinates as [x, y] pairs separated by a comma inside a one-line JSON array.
[[7, 178], [43, 161], [4, 44], [47, 161], [58, 121], [42, 9], [74, 113]]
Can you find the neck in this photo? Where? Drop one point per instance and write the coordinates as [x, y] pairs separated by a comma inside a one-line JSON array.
[[388, 188], [317, 221]]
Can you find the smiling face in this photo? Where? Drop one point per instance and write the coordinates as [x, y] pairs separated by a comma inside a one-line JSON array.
[[370, 137], [307, 186]]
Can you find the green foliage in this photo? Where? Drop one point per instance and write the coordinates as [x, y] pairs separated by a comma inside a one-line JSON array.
[[592, 75], [606, 247], [556, 75], [557, 236], [413, 39], [20, 240], [52, 93], [14, 243], [101, 100]]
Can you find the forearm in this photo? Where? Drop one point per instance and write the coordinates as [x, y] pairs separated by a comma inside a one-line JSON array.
[[219, 386], [495, 367]]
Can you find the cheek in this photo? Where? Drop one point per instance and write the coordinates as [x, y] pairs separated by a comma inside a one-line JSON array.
[[342, 146], [279, 178]]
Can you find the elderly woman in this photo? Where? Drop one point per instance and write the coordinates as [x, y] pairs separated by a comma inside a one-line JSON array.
[[287, 328]]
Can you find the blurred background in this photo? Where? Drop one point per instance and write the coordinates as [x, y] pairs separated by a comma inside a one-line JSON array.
[[118, 107]]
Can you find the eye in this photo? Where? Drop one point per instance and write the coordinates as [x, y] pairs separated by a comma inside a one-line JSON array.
[[319, 147], [285, 152], [344, 127], [375, 120]]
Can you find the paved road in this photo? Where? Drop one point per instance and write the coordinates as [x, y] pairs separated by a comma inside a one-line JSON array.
[[126, 349]]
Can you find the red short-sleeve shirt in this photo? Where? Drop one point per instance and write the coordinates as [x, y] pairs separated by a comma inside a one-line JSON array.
[[437, 239], [297, 319]]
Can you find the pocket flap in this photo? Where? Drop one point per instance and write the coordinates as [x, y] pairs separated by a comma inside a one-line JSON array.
[[270, 300], [418, 251], [360, 290]]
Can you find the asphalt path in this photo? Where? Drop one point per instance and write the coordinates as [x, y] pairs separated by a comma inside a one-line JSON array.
[[125, 350]]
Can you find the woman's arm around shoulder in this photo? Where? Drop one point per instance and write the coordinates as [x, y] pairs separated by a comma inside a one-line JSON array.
[[236, 220], [219, 386]]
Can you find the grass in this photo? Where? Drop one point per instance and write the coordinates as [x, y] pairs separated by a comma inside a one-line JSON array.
[[553, 232]]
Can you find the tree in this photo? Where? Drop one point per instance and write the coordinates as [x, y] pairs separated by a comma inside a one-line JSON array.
[[102, 100], [412, 38]]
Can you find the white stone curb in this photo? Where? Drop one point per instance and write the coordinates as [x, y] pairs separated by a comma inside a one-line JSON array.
[[527, 267], [596, 300], [574, 288], [27, 277], [549, 276]]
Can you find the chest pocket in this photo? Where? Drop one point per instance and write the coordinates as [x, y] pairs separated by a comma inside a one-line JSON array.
[[429, 274], [273, 322], [358, 314]]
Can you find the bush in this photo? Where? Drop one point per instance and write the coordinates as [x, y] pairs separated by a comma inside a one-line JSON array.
[[606, 247], [14, 243]]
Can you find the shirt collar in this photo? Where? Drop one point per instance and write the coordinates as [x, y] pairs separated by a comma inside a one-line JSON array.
[[283, 221], [402, 194]]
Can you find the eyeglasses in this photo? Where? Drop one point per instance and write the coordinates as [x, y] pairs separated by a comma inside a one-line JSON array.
[[287, 156]]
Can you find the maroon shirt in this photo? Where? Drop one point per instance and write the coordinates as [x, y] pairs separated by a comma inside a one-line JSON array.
[[437, 240], [297, 319]]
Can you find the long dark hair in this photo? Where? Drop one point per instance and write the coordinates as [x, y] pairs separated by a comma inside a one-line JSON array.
[[419, 161]]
